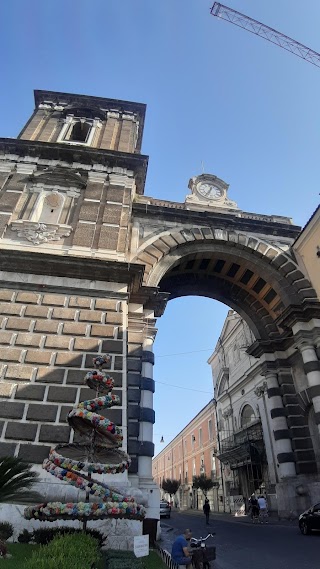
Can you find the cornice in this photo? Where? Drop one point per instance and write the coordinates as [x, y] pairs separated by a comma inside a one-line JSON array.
[[41, 96], [215, 219], [260, 347], [76, 154], [151, 298], [72, 267], [299, 313]]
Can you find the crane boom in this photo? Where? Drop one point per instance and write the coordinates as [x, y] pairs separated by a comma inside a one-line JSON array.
[[265, 32]]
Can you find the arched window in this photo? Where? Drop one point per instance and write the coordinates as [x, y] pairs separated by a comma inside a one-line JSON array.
[[79, 131], [247, 416]]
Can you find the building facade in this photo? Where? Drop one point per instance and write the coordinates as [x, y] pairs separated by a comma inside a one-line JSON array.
[[191, 453], [88, 264], [307, 250], [247, 445]]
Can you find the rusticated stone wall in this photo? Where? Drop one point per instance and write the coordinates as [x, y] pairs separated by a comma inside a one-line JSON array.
[[47, 341]]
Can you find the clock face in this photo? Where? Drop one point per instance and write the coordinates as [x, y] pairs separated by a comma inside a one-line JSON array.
[[209, 191]]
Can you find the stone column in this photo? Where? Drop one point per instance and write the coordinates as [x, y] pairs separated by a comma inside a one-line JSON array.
[[281, 433], [146, 405], [261, 393], [311, 366], [146, 447]]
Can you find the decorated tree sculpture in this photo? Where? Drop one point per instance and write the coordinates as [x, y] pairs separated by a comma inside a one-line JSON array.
[[99, 453]]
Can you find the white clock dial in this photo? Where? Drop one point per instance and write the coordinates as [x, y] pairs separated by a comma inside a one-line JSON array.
[[209, 191]]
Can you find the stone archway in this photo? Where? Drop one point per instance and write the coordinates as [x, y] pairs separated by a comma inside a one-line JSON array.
[[250, 268], [255, 278]]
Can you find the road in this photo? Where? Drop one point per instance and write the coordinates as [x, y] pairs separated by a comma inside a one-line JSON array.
[[244, 546]]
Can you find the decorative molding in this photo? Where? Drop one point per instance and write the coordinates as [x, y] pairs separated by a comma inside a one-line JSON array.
[[97, 177], [227, 413], [218, 200], [39, 233], [39, 187], [26, 168], [6, 167], [58, 176], [261, 389]]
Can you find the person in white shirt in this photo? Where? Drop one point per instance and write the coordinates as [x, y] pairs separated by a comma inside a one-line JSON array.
[[263, 510]]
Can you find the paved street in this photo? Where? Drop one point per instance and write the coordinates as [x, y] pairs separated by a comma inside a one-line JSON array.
[[241, 545]]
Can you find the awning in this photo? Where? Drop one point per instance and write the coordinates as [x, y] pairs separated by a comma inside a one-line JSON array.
[[239, 455]]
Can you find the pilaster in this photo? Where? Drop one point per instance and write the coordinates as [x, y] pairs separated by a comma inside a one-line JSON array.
[[281, 434]]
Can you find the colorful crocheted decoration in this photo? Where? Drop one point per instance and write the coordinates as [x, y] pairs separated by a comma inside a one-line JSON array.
[[103, 439]]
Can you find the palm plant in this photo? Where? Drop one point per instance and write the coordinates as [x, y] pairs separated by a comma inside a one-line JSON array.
[[16, 480]]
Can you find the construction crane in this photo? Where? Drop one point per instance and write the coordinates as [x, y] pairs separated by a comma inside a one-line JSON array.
[[265, 32]]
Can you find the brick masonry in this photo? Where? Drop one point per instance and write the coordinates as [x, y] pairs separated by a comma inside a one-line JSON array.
[[47, 343]]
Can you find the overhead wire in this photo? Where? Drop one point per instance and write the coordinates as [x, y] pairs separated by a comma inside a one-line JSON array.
[[185, 388], [183, 353]]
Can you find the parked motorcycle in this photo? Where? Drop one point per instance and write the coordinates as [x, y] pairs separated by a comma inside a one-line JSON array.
[[201, 553]]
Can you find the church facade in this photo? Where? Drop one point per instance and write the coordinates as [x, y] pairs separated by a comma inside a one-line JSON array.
[[88, 264]]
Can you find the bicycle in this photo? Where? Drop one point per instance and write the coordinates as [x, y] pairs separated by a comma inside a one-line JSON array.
[[202, 554]]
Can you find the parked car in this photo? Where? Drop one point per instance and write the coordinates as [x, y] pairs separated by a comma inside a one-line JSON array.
[[310, 520], [165, 509]]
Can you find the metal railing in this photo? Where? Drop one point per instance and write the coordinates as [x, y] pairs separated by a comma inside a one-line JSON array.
[[166, 558]]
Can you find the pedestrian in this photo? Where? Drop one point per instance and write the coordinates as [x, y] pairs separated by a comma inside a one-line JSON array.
[[263, 510], [254, 508], [206, 509], [180, 553]]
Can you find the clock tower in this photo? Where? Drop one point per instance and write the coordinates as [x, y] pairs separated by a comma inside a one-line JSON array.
[[209, 191]]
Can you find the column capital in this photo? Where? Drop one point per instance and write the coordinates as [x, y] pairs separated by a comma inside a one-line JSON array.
[[261, 389], [269, 369], [304, 345], [149, 337]]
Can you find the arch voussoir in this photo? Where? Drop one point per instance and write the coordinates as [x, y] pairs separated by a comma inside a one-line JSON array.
[[162, 246]]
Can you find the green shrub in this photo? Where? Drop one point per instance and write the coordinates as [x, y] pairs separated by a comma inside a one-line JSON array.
[[25, 536], [66, 551], [6, 530], [43, 536]]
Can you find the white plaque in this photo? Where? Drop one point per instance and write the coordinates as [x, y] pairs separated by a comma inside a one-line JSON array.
[[141, 545]]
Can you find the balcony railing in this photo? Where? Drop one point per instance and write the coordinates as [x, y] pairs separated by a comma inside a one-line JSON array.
[[243, 447], [251, 433]]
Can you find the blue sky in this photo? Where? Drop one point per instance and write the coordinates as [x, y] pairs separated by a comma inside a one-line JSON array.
[[217, 95]]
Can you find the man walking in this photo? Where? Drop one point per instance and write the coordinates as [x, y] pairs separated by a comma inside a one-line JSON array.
[[254, 508], [206, 509], [180, 552], [263, 510]]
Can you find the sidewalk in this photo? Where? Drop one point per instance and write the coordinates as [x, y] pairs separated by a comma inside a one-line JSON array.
[[226, 517]]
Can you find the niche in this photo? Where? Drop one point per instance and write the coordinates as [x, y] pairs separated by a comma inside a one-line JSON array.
[[48, 208]]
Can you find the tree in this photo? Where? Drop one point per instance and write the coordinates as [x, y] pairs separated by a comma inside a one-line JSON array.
[[16, 479], [170, 486], [203, 483]]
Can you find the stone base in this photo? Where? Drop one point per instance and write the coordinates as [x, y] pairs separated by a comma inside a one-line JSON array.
[[119, 533], [295, 495]]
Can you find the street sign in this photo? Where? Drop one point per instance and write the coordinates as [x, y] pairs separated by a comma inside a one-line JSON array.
[[141, 545]]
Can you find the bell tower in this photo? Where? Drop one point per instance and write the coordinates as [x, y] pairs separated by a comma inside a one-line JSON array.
[[68, 182], [78, 168]]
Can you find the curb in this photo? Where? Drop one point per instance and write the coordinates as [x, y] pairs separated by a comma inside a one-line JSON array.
[[241, 519]]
